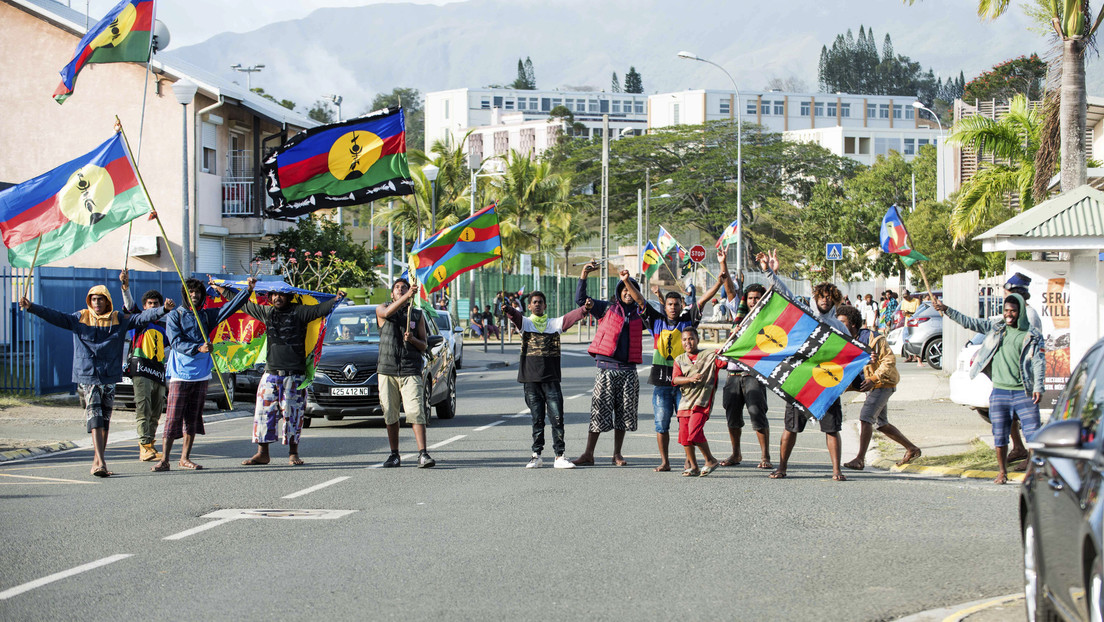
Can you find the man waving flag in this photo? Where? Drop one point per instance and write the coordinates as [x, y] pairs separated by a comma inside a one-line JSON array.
[[895, 238]]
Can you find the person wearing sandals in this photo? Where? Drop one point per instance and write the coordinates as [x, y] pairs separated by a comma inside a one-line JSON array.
[[189, 368], [695, 375], [98, 336], [825, 301], [879, 380]]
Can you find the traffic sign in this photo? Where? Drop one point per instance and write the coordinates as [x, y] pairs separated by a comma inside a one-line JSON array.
[[833, 251], [697, 253]]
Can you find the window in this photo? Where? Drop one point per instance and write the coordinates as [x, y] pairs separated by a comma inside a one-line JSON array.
[[509, 105], [498, 101], [898, 111], [910, 146], [580, 105], [674, 114], [849, 144], [616, 106], [752, 108], [871, 111], [864, 145], [210, 140], [485, 103], [638, 106], [726, 107], [910, 112], [556, 101], [592, 105], [805, 109], [831, 108], [924, 141], [883, 111], [1092, 407], [569, 103], [546, 104], [818, 109], [845, 110], [882, 146], [779, 108]]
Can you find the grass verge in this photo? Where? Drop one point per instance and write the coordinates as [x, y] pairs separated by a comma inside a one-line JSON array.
[[15, 401], [980, 457]]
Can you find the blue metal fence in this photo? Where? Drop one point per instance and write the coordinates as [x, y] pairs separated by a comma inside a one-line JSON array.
[[16, 335]]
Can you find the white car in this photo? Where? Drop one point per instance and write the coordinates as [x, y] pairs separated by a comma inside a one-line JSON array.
[[452, 335], [972, 392], [895, 341]]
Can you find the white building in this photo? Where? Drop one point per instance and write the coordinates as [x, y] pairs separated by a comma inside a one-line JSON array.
[[506, 119]]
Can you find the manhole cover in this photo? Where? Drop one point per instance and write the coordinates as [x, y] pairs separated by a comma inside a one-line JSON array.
[[286, 514]]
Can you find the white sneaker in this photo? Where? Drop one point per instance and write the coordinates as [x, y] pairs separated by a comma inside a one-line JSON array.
[[535, 463], [563, 463]]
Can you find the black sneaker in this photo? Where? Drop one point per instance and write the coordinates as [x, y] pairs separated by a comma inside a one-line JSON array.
[[424, 461], [392, 461]]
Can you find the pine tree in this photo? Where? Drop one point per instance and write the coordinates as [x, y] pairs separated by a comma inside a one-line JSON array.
[[822, 69], [615, 84], [530, 75], [634, 83]]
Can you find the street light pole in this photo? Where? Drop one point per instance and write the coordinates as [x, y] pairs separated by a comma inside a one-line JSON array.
[[185, 92], [430, 171], [248, 71], [938, 165], [739, 160], [336, 99]]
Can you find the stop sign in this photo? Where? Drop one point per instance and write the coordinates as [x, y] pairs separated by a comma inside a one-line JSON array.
[[697, 254]]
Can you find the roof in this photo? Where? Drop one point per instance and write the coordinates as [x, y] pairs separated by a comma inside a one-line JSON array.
[[210, 85], [1070, 221]]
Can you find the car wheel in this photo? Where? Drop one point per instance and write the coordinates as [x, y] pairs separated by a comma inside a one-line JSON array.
[[220, 401], [306, 421], [427, 394], [1096, 590], [447, 408], [933, 353], [1038, 607], [984, 414]]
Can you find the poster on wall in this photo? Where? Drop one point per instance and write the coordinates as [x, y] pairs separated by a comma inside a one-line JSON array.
[[1050, 298]]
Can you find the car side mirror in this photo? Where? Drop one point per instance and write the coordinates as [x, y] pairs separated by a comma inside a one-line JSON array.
[[457, 329], [435, 340], [1060, 439]]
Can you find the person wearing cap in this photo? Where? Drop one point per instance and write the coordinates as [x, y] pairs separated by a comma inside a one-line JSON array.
[[1012, 355]]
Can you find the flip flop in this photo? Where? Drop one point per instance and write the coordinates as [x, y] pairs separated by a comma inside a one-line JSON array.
[[765, 464], [691, 473], [160, 467], [727, 463], [102, 472], [909, 457], [778, 474], [622, 462], [840, 477], [709, 469]]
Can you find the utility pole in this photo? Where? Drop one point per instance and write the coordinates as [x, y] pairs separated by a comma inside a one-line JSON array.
[[603, 290]]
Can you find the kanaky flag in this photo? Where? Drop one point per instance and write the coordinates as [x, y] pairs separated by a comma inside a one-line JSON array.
[[649, 260], [341, 164], [729, 235], [801, 360], [72, 206], [454, 250], [668, 246], [895, 238], [124, 35]]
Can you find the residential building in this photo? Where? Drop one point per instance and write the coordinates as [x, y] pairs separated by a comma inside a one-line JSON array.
[[227, 129], [512, 119]]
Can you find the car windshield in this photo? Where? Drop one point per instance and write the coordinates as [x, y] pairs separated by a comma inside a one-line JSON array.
[[443, 322], [352, 325]]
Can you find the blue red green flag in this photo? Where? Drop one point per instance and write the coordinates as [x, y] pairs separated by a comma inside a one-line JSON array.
[[729, 235], [800, 359], [341, 164], [649, 260], [895, 238], [123, 35], [72, 206], [240, 342], [668, 246], [454, 250]]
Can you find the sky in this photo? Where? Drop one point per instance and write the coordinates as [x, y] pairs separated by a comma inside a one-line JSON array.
[[189, 21]]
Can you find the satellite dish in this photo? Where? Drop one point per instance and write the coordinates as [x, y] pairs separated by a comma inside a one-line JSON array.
[[160, 36]]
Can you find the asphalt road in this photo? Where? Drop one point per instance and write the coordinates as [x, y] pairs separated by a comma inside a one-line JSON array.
[[481, 537]]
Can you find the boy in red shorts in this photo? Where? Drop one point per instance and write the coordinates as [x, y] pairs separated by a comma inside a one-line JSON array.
[[696, 376]]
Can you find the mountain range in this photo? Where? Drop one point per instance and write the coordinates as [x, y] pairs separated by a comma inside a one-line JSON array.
[[358, 52]]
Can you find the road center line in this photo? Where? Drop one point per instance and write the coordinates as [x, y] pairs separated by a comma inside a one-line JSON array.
[[195, 530], [578, 395], [26, 587], [489, 425], [48, 479], [447, 441], [307, 491]]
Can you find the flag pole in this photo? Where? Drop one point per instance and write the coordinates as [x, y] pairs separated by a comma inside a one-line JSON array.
[[30, 275], [920, 267], [141, 129], [677, 283], [206, 341]]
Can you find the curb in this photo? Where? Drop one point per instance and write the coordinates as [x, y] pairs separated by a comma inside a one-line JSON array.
[[32, 453], [889, 465]]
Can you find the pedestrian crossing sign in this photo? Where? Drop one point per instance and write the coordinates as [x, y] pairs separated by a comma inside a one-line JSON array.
[[833, 251]]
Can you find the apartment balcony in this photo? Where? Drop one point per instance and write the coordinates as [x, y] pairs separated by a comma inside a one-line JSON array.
[[238, 198]]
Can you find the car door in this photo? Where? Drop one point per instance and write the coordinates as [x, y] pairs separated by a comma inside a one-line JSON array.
[[1060, 491]]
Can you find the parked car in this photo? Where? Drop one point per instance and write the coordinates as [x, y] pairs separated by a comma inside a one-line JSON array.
[[1062, 502], [925, 336], [124, 393], [896, 341], [248, 380], [454, 335], [345, 383], [972, 392]]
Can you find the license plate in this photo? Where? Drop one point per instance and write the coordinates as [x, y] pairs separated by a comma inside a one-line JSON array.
[[350, 391], [126, 380]]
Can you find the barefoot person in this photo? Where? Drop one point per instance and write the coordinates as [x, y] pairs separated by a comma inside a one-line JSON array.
[[880, 378], [695, 375], [826, 297], [402, 341], [617, 351], [1012, 355], [279, 395], [539, 372], [98, 336], [145, 366], [189, 369]]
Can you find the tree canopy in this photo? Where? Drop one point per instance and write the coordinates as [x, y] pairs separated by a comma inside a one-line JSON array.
[[413, 109], [853, 65]]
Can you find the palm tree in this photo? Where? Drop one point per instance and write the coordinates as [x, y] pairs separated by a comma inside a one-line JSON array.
[[567, 230], [1076, 26], [1012, 142], [528, 193]]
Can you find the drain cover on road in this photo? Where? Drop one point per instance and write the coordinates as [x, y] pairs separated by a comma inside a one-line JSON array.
[[282, 514]]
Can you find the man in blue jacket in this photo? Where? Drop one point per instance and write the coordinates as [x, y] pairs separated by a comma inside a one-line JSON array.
[[190, 367], [98, 335], [1012, 355]]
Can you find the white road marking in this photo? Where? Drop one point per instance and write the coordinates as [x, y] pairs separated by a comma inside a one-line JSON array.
[[26, 587], [578, 395], [195, 530], [447, 441], [307, 491], [489, 425], [52, 480]]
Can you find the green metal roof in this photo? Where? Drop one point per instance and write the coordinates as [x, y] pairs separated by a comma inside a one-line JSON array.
[[1074, 214]]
